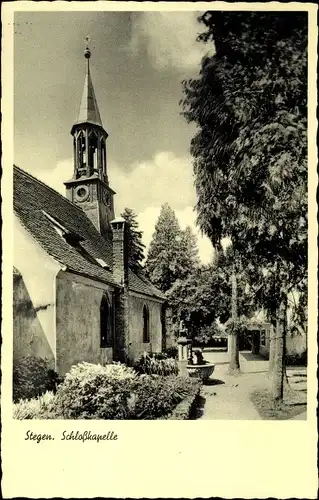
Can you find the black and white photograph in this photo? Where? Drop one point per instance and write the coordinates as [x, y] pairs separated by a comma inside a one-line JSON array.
[[160, 218]]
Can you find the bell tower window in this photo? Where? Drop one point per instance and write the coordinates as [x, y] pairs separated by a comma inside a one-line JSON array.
[[93, 146], [103, 158], [81, 148]]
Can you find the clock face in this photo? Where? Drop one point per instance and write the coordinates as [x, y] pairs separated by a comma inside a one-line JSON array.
[[81, 193]]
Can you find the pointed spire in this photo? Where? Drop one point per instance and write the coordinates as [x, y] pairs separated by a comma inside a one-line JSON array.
[[89, 111]]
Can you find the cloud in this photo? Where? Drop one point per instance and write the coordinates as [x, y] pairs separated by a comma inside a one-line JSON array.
[[55, 178], [169, 38], [145, 188], [164, 179]]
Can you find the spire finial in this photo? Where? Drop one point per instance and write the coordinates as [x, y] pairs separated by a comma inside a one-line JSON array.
[[87, 52]]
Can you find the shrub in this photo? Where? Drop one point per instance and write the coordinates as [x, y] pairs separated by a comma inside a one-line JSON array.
[[157, 396], [32, 376], [118, 371], [296, 359], [109, 392], [152, 366], [40, 407], [172, 352], [92, 391], [238, 327], [159, 355]]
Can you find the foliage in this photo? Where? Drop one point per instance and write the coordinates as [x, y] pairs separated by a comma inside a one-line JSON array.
[[92, 391], [41, 407], [205, 296], [134, 240], [171, 352], [238, 327], [32, 376], [199, 299], [158, 396], [297, 359], [148, 364], [250, 153], [109, 392], [184, 409], [190, 249], [297, 323], [116, 370], [172, 253], [207, 334]]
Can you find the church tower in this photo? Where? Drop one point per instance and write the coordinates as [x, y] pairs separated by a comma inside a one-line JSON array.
[[89, 187]]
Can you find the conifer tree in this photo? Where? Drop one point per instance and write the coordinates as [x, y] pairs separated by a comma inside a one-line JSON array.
[[189, 246], [172, 253], [135, 244]]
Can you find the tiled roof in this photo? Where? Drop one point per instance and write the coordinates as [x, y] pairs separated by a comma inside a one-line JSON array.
[[37, 205], [141, 284], [32, 198]]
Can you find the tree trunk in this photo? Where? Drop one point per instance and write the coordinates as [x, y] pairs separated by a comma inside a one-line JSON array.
[[278, 375], [272, 349], [233, 349], [233, 340]]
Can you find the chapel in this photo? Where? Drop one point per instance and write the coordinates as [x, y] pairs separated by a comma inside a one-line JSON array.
[[74, 296]]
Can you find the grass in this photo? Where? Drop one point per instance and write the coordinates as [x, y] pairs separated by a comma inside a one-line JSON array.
[[294, 403]]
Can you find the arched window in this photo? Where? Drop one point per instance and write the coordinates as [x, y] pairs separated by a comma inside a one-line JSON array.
[[105, 323], [146, 324]]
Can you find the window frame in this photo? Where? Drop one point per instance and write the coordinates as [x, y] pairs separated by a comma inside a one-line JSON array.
[[146, 324], [106, 323]]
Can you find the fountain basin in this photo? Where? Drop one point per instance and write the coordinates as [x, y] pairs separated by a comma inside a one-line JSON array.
[[201, 371]]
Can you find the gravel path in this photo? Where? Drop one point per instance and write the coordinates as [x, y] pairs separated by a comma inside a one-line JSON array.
[[226, 397]]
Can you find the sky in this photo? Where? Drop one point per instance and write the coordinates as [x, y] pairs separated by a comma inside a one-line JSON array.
[[138, 63]]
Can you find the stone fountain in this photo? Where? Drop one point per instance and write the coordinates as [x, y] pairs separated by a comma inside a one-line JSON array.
[[197, 367]]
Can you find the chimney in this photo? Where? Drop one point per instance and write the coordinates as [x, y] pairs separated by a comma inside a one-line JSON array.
[[120, 254]]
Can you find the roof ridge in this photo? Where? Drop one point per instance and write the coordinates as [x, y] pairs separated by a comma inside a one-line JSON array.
[[27, 174]]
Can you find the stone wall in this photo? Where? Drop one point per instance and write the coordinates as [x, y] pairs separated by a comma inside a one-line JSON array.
[[136, 346], [33, 297], [295, 345], [29, 338], [78, 321]]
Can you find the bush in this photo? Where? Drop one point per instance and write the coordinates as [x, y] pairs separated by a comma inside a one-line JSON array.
[[157, 396], [109, 392], [153, 366], [36, 408], [32, 376], [296, 359], [238, 327], [92, 391], [172, 352]]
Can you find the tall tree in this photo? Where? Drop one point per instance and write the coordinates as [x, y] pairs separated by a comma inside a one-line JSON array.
[[135, 244], [200, 298], [250, 153], [172, 253], [190, 249]]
